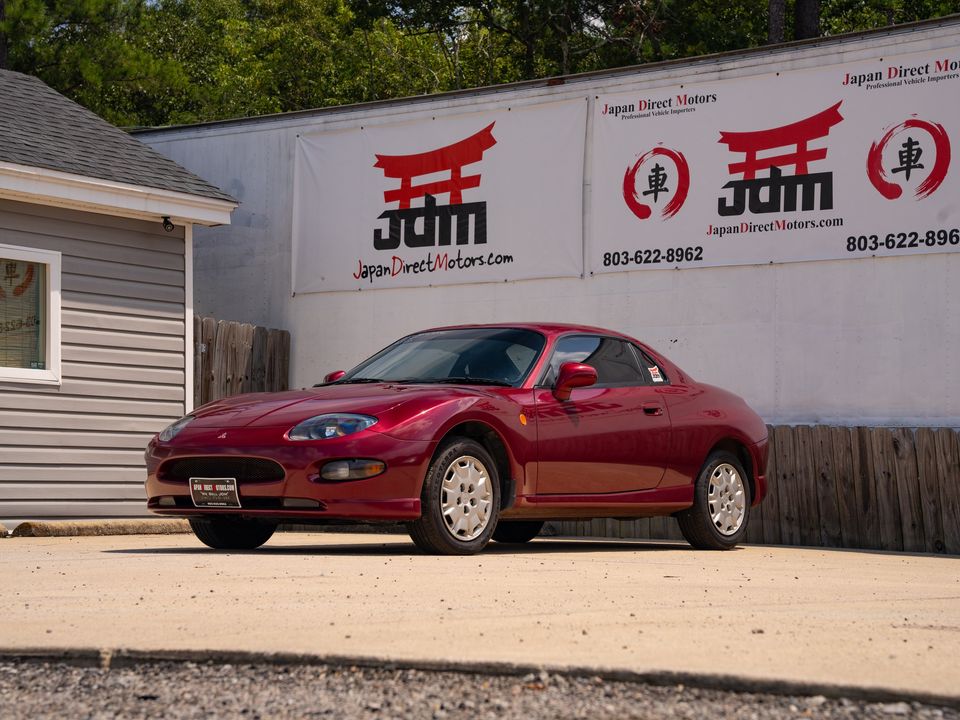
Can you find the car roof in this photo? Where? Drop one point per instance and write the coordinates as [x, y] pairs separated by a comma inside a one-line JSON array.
[[547, 328]]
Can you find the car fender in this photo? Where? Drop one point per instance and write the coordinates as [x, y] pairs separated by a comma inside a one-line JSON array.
[[435, 420]]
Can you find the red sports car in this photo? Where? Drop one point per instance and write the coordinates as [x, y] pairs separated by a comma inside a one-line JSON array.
[[469, 434]]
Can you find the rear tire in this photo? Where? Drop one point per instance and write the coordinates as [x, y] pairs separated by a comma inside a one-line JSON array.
[[717, 520], [517, 532], [223, 533], [460, 501]]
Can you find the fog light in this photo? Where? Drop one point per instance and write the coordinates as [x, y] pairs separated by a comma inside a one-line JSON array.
[[167, 501], [339, 470]]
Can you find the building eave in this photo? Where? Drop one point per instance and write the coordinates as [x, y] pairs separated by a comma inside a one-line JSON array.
[[79, 192]]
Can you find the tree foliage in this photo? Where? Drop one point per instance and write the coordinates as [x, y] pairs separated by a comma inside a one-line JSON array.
[[154, 62]]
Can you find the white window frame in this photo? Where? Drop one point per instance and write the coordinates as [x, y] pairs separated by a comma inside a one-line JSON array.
[[52, 374]]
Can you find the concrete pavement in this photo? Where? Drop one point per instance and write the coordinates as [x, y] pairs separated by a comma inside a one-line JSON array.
[[769, 613]]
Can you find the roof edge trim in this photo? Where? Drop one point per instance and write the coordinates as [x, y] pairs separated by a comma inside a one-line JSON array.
[[79, 192]]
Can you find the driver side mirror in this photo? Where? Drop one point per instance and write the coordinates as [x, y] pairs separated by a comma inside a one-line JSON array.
[[334, 376], [572, 375]]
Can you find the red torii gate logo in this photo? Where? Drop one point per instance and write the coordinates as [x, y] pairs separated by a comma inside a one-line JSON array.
[[782, 190], [451, 158]]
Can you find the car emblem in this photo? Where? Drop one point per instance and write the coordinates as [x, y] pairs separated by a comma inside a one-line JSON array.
[[222, 436]]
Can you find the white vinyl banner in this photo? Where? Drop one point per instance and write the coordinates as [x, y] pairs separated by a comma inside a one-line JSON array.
[[478, 197], [843, 161]]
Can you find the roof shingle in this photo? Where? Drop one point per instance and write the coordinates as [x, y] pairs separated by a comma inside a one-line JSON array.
[[39, 127]]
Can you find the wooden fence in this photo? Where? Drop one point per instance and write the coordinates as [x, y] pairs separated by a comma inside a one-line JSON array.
[[877, 488], [232, 358]]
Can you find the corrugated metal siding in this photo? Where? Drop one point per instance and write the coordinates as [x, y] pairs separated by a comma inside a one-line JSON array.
[[77, 450]]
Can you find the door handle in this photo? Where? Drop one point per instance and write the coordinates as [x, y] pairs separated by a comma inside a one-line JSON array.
[[652, 409]]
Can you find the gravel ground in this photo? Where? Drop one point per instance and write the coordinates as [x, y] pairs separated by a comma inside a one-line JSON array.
[[189, 690]]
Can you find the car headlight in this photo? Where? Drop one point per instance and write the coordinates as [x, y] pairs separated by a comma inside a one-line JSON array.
[[333, 425], [170, 432]]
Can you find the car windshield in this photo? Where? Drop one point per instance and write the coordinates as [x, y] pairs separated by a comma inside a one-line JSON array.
[[470, 356]]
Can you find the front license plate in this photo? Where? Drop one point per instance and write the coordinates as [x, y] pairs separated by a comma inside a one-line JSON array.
[[214, 492]]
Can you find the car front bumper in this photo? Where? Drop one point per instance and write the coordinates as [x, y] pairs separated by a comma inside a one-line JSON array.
[[393, 495]]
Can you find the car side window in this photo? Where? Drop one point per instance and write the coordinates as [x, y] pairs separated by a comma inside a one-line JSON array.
[[653, 372], [613, 359]]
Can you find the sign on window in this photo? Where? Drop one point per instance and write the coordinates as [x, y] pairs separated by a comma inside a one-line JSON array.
[[22, 295]]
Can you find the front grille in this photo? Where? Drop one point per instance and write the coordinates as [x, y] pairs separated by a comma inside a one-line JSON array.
[[244, 469]]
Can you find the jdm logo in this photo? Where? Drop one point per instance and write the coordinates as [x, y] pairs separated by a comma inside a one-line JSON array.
[[777, 192], [438, 220], [923, 153]]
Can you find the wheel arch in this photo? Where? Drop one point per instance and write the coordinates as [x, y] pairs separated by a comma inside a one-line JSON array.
[[494, 443], [739, 450]]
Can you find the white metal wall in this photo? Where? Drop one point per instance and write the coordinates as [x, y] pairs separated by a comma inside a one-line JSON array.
[[870, 341]]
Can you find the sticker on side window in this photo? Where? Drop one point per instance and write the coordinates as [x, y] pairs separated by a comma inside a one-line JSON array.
[[655, 374]]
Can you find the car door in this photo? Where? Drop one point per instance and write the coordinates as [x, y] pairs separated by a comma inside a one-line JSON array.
[[611, 437]]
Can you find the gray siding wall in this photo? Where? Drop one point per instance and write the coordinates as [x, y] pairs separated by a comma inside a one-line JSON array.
[[77, 450]]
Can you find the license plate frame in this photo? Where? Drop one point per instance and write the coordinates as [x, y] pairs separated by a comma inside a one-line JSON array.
[[217, 492]]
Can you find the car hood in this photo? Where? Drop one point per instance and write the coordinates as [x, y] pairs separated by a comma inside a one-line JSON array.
[[289, 408]]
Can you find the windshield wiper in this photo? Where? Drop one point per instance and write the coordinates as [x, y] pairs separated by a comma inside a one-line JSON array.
[[459, 381], [425, 381]]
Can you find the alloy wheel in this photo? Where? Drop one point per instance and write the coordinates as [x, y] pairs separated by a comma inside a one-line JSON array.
[[465, 497], [726, 499]]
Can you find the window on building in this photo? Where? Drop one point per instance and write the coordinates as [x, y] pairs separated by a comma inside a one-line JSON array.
[[29, 315]]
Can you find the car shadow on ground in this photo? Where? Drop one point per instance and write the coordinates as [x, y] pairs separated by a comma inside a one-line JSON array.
[[537, 547]]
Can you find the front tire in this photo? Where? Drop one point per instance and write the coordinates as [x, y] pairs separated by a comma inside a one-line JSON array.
[[460, 501], [224, 533], [721, 505], [516, 532]]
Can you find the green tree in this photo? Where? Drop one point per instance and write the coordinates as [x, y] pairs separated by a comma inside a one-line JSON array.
[[842, 16], [250, 57], [154, 62], [89, 50]]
